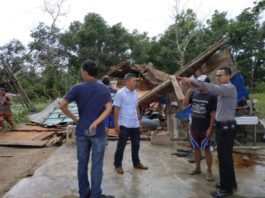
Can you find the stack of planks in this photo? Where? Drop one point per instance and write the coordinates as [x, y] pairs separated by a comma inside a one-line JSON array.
[[30, 135]]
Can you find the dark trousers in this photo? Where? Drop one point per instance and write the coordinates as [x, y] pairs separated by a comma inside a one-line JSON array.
[[225, 142], [134, 134]]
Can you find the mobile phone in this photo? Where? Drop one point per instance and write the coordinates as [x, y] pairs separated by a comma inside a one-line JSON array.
[[91, 132]]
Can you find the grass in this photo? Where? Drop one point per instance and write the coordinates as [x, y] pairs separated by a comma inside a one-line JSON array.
[[40, 105], [20, 113], [260, 105]]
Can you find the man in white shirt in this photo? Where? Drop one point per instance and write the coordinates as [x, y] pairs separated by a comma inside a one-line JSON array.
[[127, 122]]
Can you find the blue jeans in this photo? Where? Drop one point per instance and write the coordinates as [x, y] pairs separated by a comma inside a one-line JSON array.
[[134, 134], [84, 145]]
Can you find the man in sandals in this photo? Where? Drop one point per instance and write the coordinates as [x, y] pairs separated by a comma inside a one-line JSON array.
[[127, 122], [201, 128]]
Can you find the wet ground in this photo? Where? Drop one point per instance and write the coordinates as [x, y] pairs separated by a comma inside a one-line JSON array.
[[167, 176]]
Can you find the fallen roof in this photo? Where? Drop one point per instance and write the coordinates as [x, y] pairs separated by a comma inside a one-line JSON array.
[[53, 116], [146, 72], [195, 65], [40, 117]]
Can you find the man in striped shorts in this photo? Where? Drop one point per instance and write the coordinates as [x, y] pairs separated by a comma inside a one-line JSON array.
[[203, 117]]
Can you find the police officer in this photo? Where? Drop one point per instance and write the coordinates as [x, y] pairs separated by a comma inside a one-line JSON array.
[[225, 127]]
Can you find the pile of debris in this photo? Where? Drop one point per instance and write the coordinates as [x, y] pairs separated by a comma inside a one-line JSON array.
[[33, 136]]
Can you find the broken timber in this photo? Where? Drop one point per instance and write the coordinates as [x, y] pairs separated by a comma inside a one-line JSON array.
[[24, 97], [166, 87]]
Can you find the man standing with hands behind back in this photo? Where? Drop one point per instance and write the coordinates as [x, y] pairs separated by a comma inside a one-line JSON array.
[[127, 122], [94, 105], [225, 127]]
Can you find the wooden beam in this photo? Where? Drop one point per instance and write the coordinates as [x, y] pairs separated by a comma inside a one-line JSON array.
[[19, 88], [152, 95], [176, 88]]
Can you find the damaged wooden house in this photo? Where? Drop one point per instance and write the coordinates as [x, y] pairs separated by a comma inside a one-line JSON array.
[[207, 63]]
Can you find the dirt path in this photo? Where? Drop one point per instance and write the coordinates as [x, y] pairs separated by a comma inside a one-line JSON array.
[[17, 163]]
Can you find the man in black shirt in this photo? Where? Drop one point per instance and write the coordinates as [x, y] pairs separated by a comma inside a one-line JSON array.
[[203, 117]]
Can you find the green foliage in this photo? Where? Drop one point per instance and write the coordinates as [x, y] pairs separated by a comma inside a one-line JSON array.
[[259, 87], [260, 105], [19, 113], [41, 103]]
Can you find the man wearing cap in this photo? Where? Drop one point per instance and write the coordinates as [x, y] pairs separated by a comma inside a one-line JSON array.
[[5, 109], [225, 127], [127, 122], [203, 117]]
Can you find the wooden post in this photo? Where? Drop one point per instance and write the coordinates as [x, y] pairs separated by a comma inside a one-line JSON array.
[[169, 116], [19, 89], [177, 89]]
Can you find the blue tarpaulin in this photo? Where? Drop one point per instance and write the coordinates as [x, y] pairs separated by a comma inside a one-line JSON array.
[[184, 114], [238, 81]]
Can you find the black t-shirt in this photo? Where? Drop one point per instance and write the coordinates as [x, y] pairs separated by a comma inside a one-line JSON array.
[[202, 106]]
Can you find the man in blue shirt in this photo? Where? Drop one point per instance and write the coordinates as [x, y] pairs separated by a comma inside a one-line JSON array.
[[127, 122], [94, 105], [109, 121]]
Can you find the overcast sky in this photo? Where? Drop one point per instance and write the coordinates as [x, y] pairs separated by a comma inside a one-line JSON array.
[[19, 17]]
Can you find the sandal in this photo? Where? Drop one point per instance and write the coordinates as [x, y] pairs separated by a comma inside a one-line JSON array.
[[195, 172]]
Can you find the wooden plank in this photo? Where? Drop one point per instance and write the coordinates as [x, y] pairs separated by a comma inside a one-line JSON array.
[[249, 147], [202, 57], [44, 135], [29, 143], [21, 136], [176, 88], [154, 93]]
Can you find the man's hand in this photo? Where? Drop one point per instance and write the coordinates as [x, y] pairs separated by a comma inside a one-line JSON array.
[[75, 121], [185, 80], [93, 126], [140, 125], [209, 133], [118, 130]]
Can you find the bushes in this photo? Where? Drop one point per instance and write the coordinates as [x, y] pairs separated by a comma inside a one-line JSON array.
[[260, 105], [259, 88], [20, 113]]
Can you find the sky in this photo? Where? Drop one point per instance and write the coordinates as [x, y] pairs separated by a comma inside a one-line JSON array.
[[19, 17]]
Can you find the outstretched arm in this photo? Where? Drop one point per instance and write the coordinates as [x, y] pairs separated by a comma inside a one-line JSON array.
[[223, 90]]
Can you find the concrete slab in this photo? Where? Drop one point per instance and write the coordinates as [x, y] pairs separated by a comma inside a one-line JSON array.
[[167, 177]]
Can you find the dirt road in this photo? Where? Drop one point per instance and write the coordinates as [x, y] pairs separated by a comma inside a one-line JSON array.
[[20, 162]]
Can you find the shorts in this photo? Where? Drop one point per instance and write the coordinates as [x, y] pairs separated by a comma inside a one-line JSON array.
[[5, 117], [198, 139]]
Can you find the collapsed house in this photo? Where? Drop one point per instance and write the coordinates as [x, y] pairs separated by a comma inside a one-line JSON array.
[[207, 63], [149, 77], [156, 90]]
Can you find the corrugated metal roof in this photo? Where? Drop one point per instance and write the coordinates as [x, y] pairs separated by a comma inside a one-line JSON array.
[[57, 117]]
